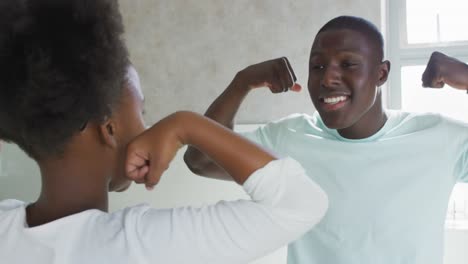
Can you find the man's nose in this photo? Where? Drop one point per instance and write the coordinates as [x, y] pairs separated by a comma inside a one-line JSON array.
[[331, 77]]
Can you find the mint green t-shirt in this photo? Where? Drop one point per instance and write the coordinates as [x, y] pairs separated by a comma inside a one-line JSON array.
[[388, 193]]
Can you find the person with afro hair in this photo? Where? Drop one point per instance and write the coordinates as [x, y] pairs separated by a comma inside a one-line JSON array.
[[70, 98]]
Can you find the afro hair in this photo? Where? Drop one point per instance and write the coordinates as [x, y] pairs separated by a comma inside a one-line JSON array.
[[62, 64]]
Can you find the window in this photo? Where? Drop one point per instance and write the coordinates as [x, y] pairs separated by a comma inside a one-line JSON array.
[[435, 21], [415, 29]]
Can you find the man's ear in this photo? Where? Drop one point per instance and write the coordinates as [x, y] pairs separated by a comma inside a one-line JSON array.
[[384, 70], [107, 131]]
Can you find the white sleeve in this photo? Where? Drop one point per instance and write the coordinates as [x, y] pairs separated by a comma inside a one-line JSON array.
[[285, 204]]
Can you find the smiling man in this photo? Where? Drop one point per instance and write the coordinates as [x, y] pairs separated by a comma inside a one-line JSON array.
[[345, 72], [388, 174]]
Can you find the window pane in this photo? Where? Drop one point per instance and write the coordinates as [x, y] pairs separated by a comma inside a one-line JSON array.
[[421, 22], [447, 101], [431, 21]]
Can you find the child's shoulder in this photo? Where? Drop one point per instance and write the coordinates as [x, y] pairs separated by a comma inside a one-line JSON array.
[[10, 204], [9, 212]]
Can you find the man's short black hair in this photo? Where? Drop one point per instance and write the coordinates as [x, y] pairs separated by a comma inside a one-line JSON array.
[[62, 64], [360, 25]]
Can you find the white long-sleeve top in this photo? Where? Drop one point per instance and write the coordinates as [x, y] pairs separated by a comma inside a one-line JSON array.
[[284, 204]]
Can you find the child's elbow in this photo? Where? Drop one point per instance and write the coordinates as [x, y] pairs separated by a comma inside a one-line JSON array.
[[320, 207], [309, 212], [312, 207]]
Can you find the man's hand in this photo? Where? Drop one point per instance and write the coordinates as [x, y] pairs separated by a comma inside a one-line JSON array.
[[276, 74], [442, 69]]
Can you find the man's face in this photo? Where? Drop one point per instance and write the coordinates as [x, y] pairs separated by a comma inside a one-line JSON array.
[[344, 72], [129, 124]]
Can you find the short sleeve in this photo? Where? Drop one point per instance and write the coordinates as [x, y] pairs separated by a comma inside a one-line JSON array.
[[461, 166], [459, 139], [263, 136], [270, 134]]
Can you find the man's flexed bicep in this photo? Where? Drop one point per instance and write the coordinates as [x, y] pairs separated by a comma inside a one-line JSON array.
[[276, 75]]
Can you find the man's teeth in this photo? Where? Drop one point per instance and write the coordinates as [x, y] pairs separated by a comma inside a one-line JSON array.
[[334, 100]]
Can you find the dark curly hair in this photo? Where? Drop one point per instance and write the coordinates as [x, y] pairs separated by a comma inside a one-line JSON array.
[[62, 64], [358, 24]]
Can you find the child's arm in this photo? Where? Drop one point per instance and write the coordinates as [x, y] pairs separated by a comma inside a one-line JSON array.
[[275, 74], [284, 203], [149, 155], [442, 69]]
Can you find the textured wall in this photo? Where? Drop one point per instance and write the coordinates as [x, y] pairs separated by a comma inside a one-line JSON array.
[[188, 51]]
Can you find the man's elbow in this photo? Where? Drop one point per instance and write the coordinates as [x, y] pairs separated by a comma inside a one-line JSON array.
[[194, 162]]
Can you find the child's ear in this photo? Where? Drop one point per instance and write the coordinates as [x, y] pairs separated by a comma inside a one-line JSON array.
[[107, 130], [384, 70]]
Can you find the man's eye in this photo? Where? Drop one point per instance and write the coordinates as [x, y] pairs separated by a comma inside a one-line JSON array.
[[348, 64], [317, 67]]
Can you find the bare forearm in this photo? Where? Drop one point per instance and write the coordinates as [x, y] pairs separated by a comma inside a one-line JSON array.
[[223, 110], [237, 156]]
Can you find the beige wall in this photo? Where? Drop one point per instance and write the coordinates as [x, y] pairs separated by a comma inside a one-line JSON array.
[[188, 51]]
